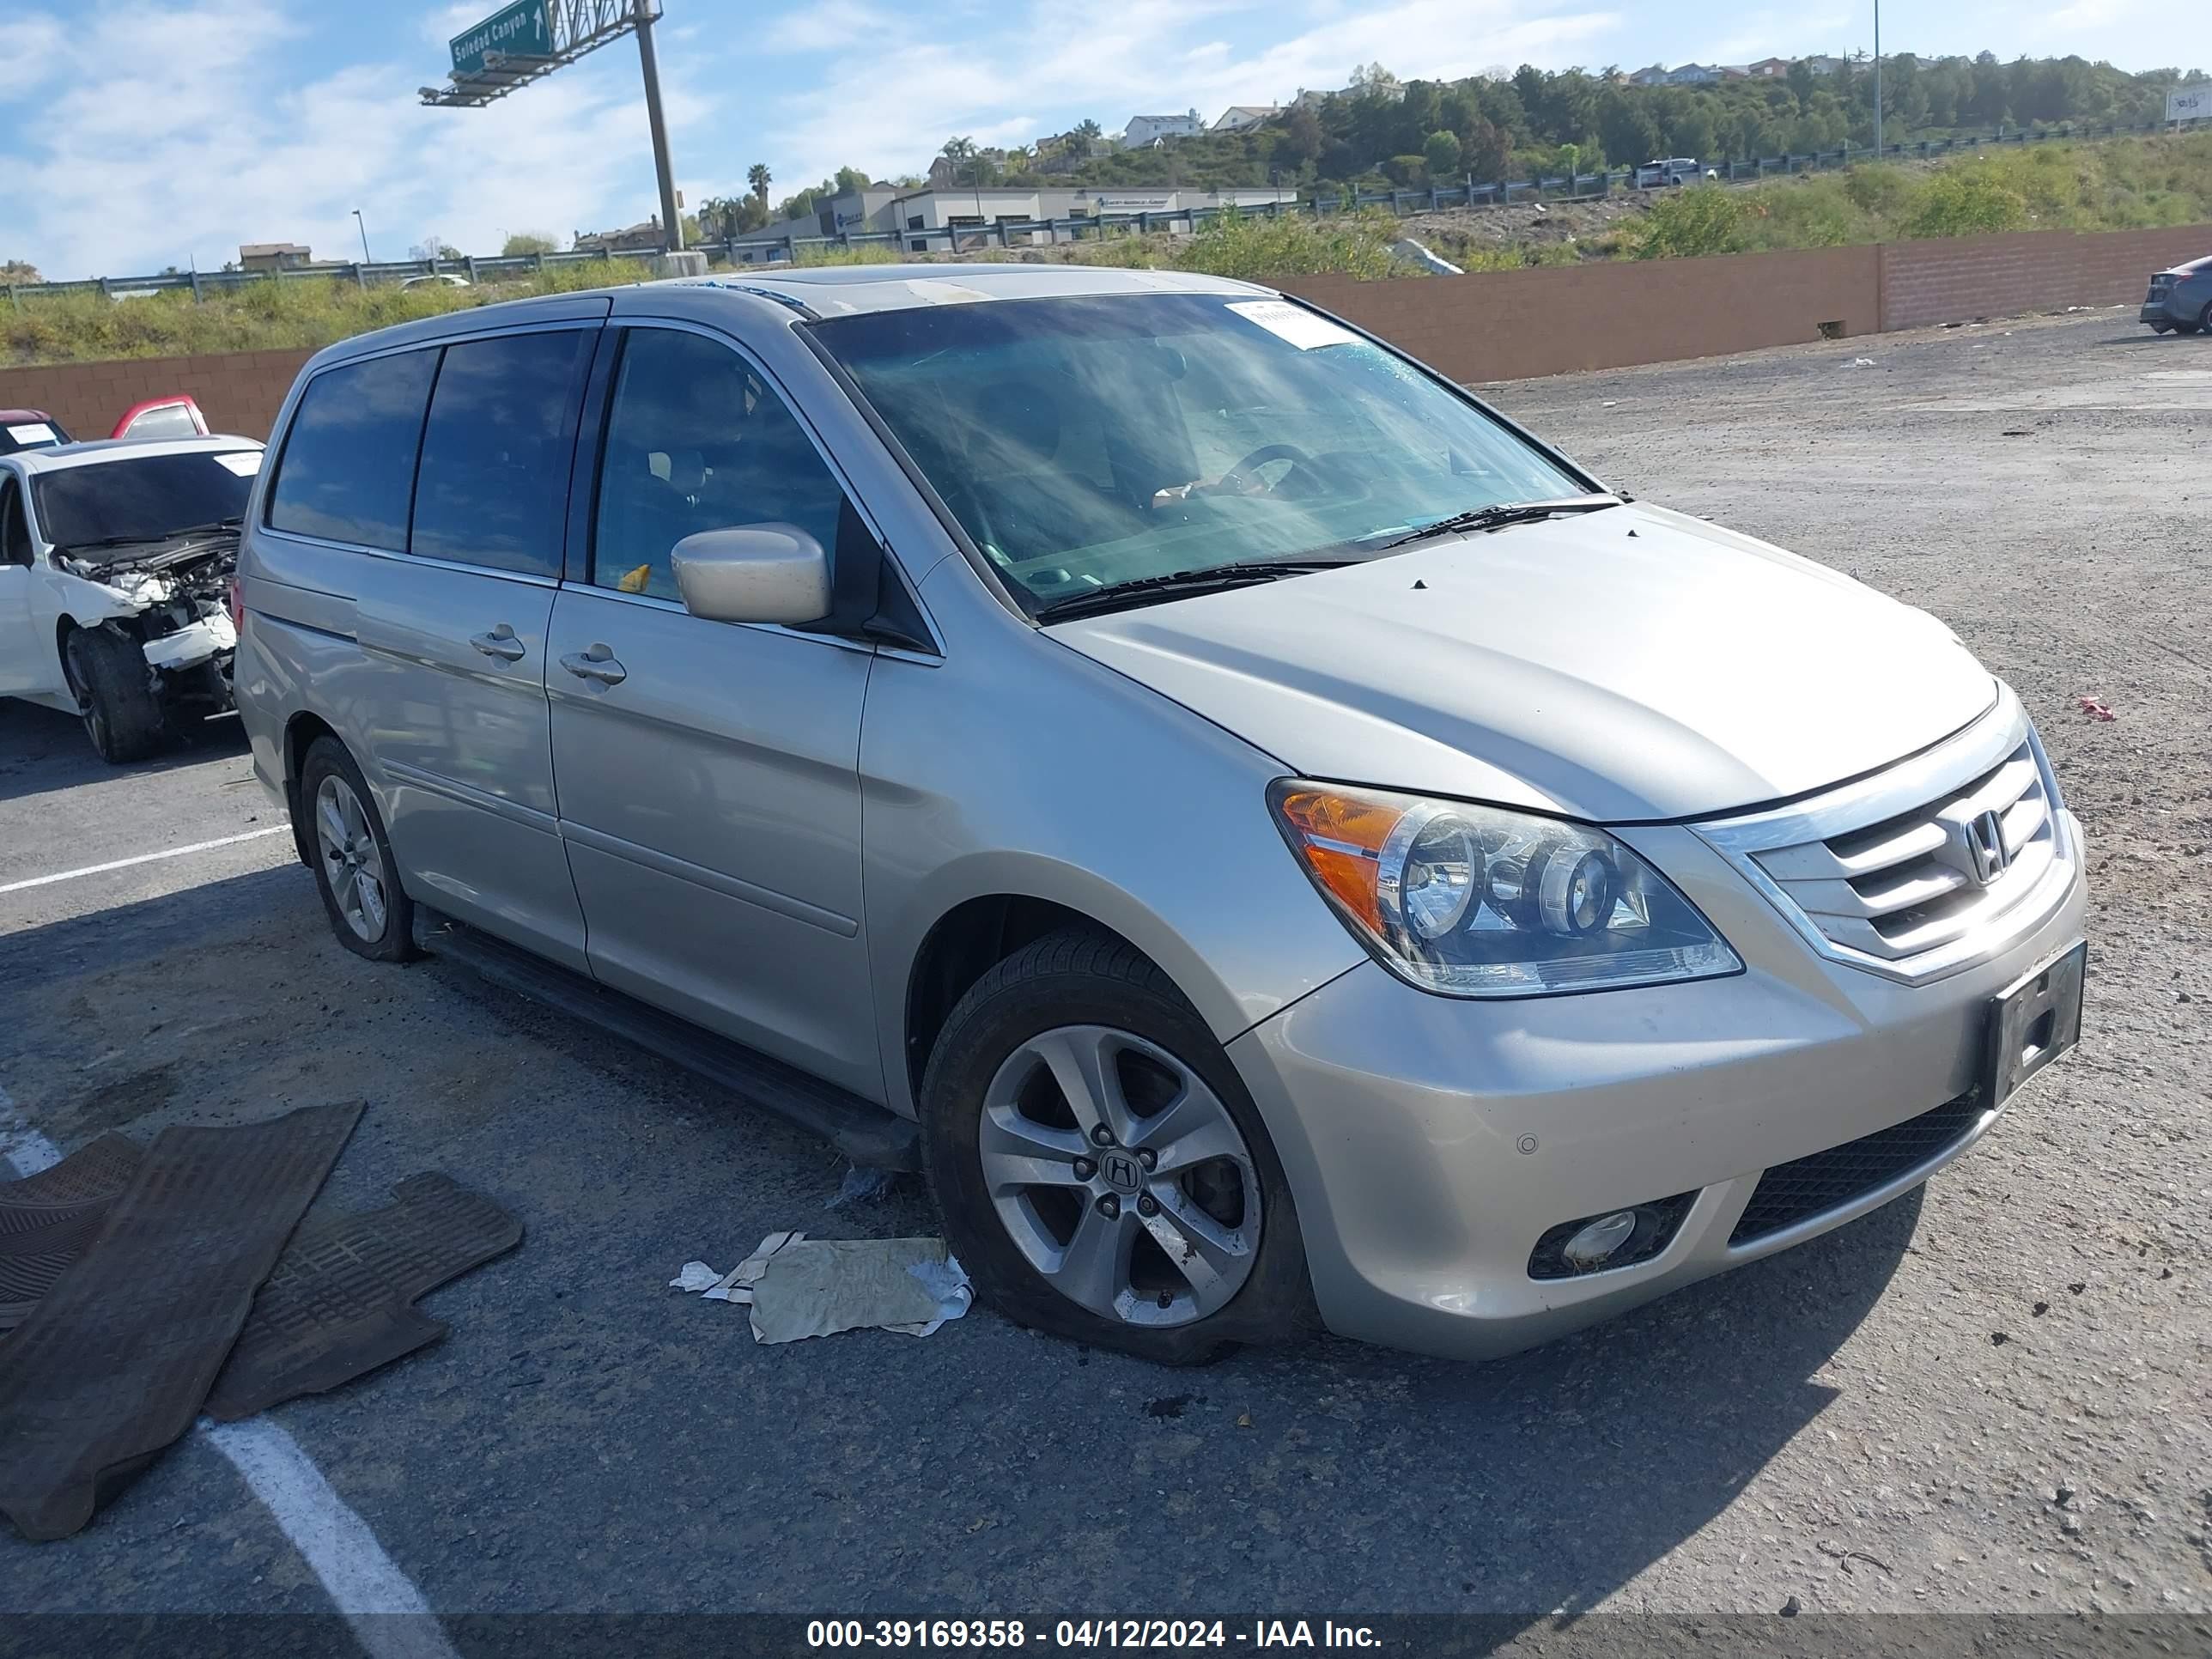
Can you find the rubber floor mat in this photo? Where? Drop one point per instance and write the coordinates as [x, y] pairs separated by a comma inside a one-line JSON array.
[[340, 1301], [112, 1364], [46, 1219]]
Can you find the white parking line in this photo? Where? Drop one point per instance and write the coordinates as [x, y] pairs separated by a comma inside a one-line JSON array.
[[388, 1614], [146, 858]]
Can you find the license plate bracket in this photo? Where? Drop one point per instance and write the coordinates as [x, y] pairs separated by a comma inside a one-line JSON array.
[[2033, 1021]]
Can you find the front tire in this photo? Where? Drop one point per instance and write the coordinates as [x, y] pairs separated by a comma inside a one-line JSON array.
[[114, 694], [1103, 1172], [370, 913]]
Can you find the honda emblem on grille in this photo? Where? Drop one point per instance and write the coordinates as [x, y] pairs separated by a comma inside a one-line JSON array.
[[1986, 846]]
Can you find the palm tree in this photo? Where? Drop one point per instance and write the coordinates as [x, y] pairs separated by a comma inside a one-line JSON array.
[[759, 178], [957, 150]]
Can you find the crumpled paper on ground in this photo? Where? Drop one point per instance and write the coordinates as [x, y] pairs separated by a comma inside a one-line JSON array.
[[800, 1287]]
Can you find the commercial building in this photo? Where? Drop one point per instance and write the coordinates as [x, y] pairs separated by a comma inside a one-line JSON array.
[[942, 219]]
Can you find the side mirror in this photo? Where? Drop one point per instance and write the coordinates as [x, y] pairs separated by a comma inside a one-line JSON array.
[[762, 572]]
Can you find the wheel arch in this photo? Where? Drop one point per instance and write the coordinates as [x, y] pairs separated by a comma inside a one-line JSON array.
[[963, 945], [300, 732]]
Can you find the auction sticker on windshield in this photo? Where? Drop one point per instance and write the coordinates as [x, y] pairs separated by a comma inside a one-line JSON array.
[[244, 462], [38, 432], [1301, 327]]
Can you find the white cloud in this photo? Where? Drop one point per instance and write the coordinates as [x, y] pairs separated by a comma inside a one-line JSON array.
[[186, 130], [29, 49]]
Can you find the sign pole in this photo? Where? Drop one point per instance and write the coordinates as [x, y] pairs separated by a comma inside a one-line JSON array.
[[670, 218]]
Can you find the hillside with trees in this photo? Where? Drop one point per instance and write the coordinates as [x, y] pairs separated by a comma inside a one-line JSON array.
[[1381, 132]]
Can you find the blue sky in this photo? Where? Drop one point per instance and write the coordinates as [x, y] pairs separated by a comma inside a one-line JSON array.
[[135, 136]]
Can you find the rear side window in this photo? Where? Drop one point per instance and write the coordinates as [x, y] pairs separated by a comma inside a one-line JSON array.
[[14, 529], [493, 488], [348, 470]]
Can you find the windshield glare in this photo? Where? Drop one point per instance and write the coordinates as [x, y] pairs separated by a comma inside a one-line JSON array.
[[1083, 443], [143, 498]]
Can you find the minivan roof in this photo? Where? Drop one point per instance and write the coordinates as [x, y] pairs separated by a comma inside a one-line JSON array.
[[841, 290], [819, 290]]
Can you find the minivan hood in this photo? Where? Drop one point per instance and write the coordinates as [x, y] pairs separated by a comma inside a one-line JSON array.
[[1624, 664]]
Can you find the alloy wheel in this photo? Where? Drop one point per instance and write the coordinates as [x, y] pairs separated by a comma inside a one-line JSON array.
[[1120, 1176], [351, 862]]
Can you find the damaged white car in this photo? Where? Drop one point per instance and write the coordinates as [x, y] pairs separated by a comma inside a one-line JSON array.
[[116, 565]]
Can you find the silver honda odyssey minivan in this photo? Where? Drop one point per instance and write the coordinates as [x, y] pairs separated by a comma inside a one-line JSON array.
[[1272, 839]]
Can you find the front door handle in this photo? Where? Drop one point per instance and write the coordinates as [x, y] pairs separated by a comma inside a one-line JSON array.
[[597, 664], [500, 642]]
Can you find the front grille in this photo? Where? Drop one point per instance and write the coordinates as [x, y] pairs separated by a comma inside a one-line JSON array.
[[1919, 880], [1807, 1186]]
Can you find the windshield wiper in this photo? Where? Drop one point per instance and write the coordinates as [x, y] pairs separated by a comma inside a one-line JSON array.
[[1122, 595], [1500, 514], [217, 528]]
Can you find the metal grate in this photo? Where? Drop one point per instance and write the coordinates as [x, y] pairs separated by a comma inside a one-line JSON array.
[[1919, 880], [1807, 1186]]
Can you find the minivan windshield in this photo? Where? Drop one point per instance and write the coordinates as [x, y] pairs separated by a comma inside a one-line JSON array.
[[1088, 443]]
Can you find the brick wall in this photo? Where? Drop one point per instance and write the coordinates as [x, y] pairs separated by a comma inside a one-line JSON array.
[[239, 392], [1508, 325], [1959, 279], [1488, 325]]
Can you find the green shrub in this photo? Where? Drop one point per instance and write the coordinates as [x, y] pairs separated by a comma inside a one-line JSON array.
[[1966, 200], [1694, 222], [1260, 249]]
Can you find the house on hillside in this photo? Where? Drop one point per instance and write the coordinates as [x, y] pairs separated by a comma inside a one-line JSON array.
[[273, 256], [645, 238], [1654, 76], [1768, 69], [1237, 117], [1824, 65], [1692, 75], [1145, 129]]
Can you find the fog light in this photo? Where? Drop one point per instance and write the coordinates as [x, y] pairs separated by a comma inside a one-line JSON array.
[[1590, 1247], [1618, 1239]]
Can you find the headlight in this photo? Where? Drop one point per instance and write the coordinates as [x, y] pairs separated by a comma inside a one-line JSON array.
[[1474, 902]]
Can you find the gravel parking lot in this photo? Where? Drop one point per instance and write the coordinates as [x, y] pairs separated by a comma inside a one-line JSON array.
[[1988, 1396]]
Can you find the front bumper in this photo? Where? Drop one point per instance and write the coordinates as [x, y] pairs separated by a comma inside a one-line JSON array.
[[1429, 1142]]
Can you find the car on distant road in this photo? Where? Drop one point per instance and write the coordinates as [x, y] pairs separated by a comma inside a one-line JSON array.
[[2180, 298], [1675, 170], [29, 428], [116, 559], [1263, 832]]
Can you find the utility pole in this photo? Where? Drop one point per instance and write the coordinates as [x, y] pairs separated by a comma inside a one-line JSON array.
[[363, 223], [1877, 80], [670, 218]]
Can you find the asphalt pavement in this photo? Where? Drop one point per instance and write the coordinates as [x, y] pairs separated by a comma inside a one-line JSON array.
[[1988, 1396]]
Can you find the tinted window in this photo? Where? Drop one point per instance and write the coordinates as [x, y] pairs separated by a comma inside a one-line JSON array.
[[494, 485], [15, 532], [696, 440], [141, 498], [349, 464]]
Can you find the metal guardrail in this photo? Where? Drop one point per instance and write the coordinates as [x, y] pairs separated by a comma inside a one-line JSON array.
[[739, 250]]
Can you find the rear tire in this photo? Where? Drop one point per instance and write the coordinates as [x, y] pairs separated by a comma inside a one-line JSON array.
[[114, 694], [369, 912], [1176, 1259]]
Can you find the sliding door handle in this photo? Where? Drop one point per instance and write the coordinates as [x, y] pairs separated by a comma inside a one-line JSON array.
[[597, 664], [500, 642]]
